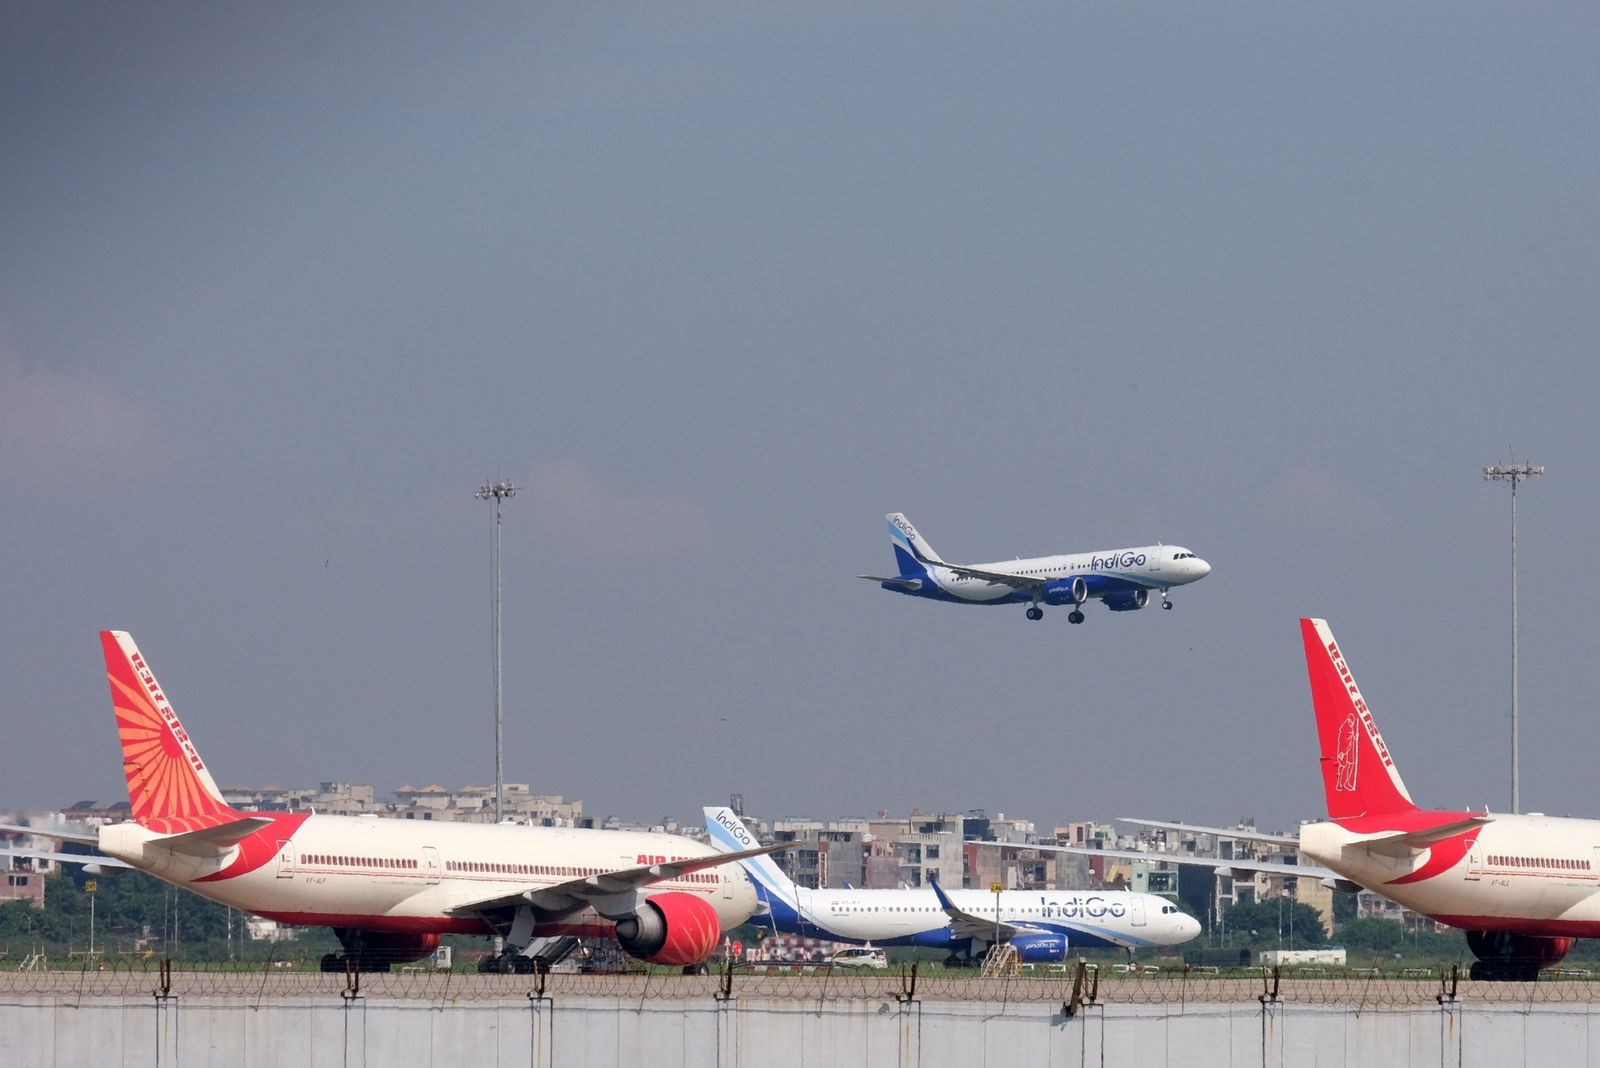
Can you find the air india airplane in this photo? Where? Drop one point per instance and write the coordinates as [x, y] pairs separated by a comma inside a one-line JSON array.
[[389, 888], [1523, 887]]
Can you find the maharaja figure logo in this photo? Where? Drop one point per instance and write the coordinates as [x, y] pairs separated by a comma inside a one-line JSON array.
[[1346, 777]]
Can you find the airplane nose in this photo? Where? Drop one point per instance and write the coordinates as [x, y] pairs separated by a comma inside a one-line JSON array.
[[1202, 569], [1189, 927]]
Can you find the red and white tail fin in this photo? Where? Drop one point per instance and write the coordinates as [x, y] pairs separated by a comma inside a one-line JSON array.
[[1358, 774], [168, 784]]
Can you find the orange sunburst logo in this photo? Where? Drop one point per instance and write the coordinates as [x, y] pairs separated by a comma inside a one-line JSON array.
[[163, 769], [692, 928]]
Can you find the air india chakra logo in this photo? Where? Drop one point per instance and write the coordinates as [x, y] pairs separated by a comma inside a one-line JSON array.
[[160, 761], [1345, 778]]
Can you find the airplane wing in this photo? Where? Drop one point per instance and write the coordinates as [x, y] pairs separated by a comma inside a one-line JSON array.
[[1020, 582], [910, 585], [574, 894], [964, 924], [1220, 832], [1222, 864], [64, 858], [80, 837]]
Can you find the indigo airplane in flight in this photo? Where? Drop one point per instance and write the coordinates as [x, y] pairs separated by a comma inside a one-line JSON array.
[[1042, 925], [1120, 578]]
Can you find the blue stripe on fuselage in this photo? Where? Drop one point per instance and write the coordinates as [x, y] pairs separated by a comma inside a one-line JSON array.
[[1099, 586]]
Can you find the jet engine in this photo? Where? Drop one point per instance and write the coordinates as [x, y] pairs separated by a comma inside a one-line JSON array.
[[674, 928], [1040, 948], [1066, 591], [398, 948], [1127, 601], [1515, 957], [374, 951]]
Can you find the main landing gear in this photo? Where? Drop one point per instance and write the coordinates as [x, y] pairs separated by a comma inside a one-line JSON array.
[[1036, 613]]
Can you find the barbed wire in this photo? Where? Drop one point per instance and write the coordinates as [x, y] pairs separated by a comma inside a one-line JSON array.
[[1073, 986]]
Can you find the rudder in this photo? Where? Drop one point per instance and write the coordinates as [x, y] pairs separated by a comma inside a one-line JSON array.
[[1358, 774], [911, 550], [169, 788]]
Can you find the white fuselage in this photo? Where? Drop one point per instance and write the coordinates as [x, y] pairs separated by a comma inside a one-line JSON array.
[[1525, 873], [914, 916], [404, 875], [1148, 567]]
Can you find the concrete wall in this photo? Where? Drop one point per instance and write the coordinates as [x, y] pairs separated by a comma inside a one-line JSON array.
[[70, 1030]]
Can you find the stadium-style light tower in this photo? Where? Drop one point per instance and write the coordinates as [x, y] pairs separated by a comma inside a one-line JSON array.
[[1513, 473], [497, 492]]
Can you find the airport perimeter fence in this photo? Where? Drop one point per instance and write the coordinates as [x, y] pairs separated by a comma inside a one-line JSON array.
[[1072, 987]]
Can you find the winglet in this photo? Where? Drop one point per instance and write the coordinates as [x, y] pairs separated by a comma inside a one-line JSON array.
[[1358, 774], [943, 898], [168, 784]]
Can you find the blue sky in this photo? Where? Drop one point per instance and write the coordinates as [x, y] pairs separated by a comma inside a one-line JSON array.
[[720, 287]]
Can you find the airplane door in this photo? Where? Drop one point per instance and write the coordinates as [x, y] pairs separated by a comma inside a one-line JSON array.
[[285, 859], [1136, 911], [1474, 862], [430, 864], [1156, 557]]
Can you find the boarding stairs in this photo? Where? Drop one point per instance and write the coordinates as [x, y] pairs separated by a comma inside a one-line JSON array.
[[1001, 961]]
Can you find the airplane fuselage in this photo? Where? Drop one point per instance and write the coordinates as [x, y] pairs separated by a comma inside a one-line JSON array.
[[396, 875], [1535, 875], [1111, 571], [894, 917]]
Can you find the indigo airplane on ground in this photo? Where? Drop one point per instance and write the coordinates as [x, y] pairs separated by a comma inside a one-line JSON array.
[[1043, 925], [1121, 578]]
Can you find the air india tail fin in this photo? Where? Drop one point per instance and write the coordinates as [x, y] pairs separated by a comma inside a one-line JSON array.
[[1358, 774], [168, 785]]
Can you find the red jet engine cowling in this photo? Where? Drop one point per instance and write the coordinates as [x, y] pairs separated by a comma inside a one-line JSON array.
[[397, 948], [673, 928]]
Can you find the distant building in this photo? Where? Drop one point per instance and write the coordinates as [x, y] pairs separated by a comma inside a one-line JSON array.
[[22, 884]]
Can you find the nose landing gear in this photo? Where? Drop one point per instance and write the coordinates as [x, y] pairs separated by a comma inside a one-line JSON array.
[[1035, 613]]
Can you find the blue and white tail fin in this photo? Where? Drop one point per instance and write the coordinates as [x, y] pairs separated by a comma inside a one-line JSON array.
[[774, 889], [911, 550], [912, 555]]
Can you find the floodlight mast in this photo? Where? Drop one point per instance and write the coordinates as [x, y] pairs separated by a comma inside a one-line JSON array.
[[497, 492], [1513, 473]]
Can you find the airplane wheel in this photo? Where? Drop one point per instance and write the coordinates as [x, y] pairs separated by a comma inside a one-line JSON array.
[[1167, 605], [1035, 613], [1075, 617]]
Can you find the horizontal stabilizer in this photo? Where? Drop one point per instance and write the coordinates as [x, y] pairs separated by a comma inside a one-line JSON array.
[[213, 841], [1398, 841], [910, 585], [1242, 834], [82, 836], [64, 858]]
